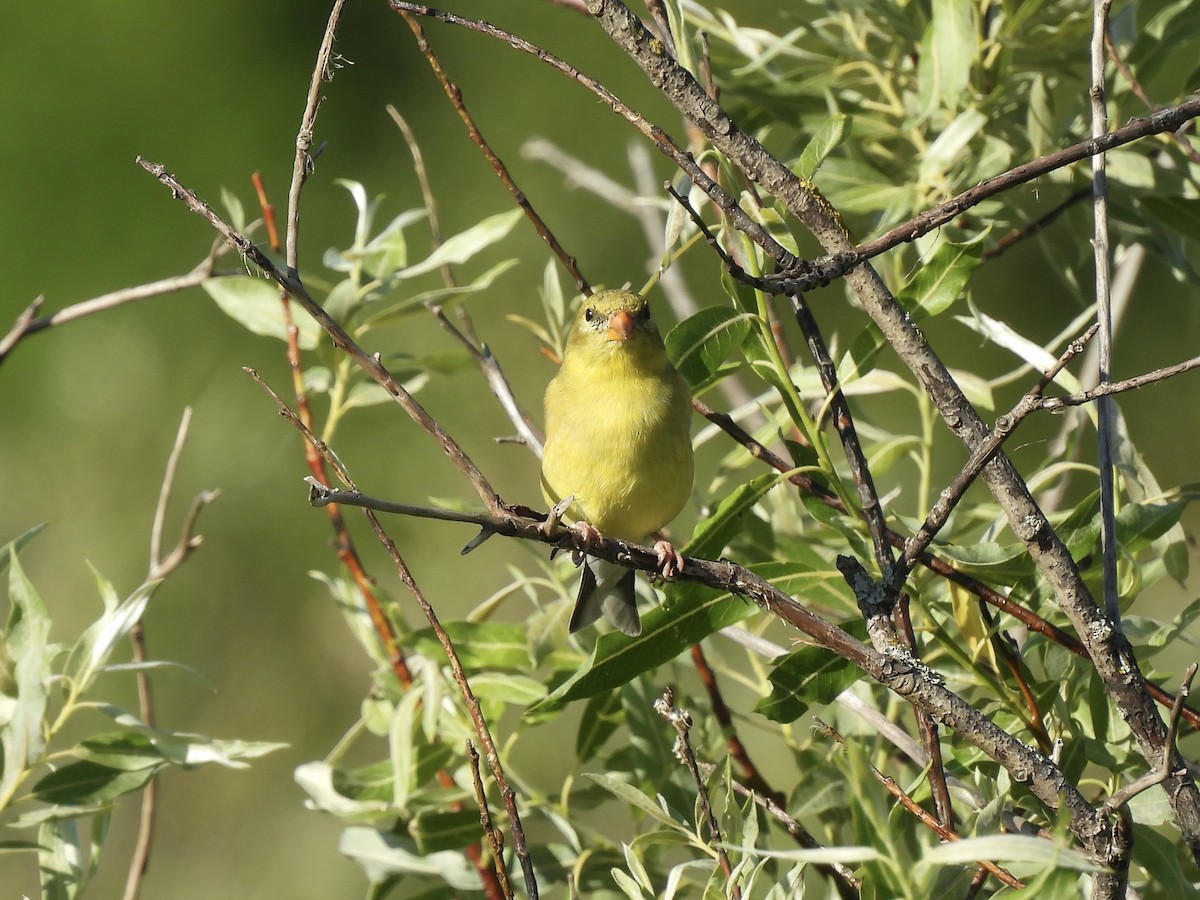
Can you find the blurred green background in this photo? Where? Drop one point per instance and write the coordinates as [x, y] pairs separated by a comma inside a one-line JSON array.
[[89, 411]]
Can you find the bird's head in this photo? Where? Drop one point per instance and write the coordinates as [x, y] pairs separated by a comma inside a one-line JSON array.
[[615, 320]]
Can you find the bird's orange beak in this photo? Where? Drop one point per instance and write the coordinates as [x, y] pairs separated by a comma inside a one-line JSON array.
[[620, 326]]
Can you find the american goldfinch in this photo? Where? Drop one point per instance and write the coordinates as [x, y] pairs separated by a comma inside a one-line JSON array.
[[617, 418]]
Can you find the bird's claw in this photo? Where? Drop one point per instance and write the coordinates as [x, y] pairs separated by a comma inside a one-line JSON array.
[[588, 536], [670, 560]]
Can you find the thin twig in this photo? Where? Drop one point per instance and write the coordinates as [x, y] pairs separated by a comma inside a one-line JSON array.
[[737, 749], [527, 431], [1054, 404], [30, 326], [844, 882], [1005, 425], [370, 363], [520, 846], [427, 196], [928, 728], [302, 164], [945, 832], [464, 331], [1140, 92], [1105, 412], [455, 94], [682, 722], [1164, 769], [160, 567], [20, 326], [495, 837], [1035, 227], [383, 626], [267, 209]]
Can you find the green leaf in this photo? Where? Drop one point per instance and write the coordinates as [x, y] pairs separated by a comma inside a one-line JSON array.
[[601, 717], [382, 855], [947, 53], [480, 645], [1033, 852], [13, 547], [811, 676], [632, 797], [942, 280], [397, 312], [436, 830], [18, 846], [1138, 524], [519, 690], [950, 146], [1155, 634], [85, 783], [317, 780], [714, 533], [254, 303], [129, 750], [820, 145], [95, 645], [27, 636], [699, 345], [1159, 856], [60, 853], [465, 244], [987, 558], [932, 290], [695, 613]]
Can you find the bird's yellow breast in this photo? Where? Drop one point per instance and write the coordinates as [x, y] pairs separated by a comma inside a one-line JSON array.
[[617, 439]]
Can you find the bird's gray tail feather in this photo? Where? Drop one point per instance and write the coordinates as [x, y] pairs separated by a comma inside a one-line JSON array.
[[608, 589]]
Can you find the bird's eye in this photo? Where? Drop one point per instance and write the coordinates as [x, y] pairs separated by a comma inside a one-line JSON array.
[[589, 314], [645, 313]]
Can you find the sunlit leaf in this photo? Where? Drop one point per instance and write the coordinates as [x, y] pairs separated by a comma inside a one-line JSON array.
[[87, 782], [701, 343], [382, 854], [466, 244], [811, 676], [27, 634], [820, 145], [255, 304]]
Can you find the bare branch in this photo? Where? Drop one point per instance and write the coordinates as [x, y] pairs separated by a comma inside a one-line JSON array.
[[455, 94], [944, 831], [303, 163], [1158, 775], [26, 325], [682, 722], [159, 568], [895, 668], [494, 837], [371, 364], [1111, 653], [1105, 424]]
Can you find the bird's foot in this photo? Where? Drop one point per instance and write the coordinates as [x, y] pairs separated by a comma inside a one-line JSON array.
[[588, 537], [670, 560]]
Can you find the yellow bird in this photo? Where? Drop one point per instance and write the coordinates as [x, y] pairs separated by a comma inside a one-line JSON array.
[[617, 442]]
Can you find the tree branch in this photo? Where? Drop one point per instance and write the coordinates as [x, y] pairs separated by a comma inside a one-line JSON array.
[[894, 668], [371, 364], [1110, 652]]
